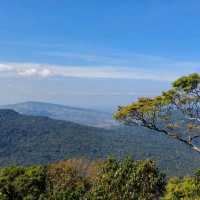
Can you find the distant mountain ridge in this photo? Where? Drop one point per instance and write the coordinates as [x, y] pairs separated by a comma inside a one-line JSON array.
[[78, 115]]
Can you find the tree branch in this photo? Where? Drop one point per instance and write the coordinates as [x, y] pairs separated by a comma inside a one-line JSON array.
[[188, 143]]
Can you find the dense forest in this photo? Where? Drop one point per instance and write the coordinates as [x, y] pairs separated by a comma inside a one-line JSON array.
[[81, 179], [28, 140]]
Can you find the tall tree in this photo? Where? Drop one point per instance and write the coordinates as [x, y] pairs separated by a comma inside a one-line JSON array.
[[175, 113]]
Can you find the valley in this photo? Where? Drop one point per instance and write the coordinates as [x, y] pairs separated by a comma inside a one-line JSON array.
[[27, 140]]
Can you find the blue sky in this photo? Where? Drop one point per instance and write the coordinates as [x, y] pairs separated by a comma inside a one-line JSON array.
[[61, 43]]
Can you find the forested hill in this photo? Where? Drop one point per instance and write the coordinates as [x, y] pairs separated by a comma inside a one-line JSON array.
[[78, 115], [32, 140]]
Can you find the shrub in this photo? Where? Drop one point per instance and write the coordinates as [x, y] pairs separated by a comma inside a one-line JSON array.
[[127, 179], [18, 183], [68, 179], [186, 188]]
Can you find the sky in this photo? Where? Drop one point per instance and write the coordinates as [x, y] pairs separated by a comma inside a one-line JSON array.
[[95, 54]]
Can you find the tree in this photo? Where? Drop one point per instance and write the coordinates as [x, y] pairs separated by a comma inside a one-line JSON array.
[[127, 179], [67, 180], [175, 113]]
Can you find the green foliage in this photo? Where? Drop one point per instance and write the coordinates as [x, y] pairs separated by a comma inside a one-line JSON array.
[[128, 179], [186, 188], [187, 83], [22, 183], [68, 179], [83, 180]]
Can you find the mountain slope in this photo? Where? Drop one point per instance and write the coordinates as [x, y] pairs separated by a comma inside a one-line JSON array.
[[39, 140], [67, 113]]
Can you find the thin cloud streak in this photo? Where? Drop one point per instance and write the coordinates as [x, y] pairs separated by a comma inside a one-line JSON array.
[[46, 71], [32, 44], [125, 59]]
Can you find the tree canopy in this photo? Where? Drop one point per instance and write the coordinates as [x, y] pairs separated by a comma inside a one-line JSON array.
[[81, 179], [187, 188], [128, 179], [175, 113]]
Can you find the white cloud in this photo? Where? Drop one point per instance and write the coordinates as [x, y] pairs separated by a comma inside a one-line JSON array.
[[167, 73], [5, 68], [35, 72]]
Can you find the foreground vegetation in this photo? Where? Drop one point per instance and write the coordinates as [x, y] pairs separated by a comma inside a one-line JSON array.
[[81, 179]]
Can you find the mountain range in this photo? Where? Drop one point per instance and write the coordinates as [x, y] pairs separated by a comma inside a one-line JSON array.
[[27, 140], [78, 115]]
